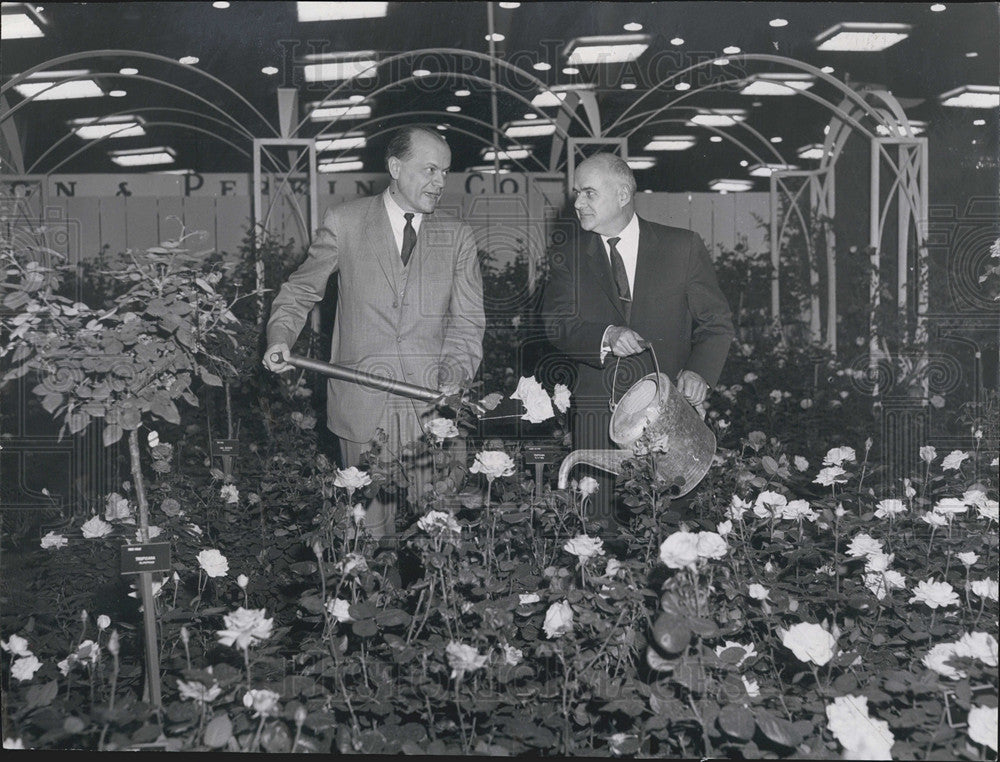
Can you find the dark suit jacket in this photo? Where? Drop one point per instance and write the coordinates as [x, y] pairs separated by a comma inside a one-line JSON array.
[[676, 305], [422, 324]]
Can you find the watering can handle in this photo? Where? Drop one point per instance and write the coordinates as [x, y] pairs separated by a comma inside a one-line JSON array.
[[612, 404]]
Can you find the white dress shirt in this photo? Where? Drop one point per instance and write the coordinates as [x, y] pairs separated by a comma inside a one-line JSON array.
[[628, 247], [396, 219]]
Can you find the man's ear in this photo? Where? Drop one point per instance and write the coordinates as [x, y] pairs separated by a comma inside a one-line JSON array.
[[393, 164], [623, 196]]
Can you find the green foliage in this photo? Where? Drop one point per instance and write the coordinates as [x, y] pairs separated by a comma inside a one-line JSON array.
[[138, 354]]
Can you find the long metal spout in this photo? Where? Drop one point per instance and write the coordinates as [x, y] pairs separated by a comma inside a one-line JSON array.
[[606, 460]]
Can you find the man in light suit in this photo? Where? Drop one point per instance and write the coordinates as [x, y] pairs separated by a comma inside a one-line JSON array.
[[409, 306], [621, 282]]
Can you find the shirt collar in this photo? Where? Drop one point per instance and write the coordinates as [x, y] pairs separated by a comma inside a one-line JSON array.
[[629, 234], [396, 212]]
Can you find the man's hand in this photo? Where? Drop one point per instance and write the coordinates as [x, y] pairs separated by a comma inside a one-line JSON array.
[[624, 341], [450, 389], [693, 387], [275, 358]]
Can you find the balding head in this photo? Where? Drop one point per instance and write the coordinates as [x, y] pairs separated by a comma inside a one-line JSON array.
[[604, 188]]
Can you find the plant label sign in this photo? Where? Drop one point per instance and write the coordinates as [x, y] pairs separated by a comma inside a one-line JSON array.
[[537, 455], [149, 557], [225, 446]]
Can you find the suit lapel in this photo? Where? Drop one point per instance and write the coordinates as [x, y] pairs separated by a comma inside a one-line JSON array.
[[601, 267], [382, 243], [648, 267]]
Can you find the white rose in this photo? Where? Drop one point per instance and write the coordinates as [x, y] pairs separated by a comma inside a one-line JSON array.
[[525, 598], [953, 460], [889, 507], [800, 463], [263, 702], [680, 550], [844, 714], [989, 510], [864, 545], [768, 504], [934, 519], [950, 506], [16, 646], [441, 429], [213, 563], [96, 527], [584, 547], [872, 740], [927, 454], [245, 627], [351, 479], [838, 456], [809, 642], [561, 397], [938, 658], [711, 545], [795, 510], [230, 494], [359, 514], [536, 400], [463, 658], [967, 559], [983, 725], [558, 620], [117, 508], [830, 475], [339, 609], [981, 645], [53, 540], [614, 566], [243, 580], [758, 592], [986, 588], [437, 522], [724, 528], [935, 594], [512, 656], [588, 485], [493, 464], [103, 622], [25, 668]]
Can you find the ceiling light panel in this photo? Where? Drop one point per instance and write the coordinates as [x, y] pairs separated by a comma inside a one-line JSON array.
[[719, 117], [342, 142], [605, 50], [20, 26], [340, 11], [329, 68], [670, 143], [509, 154], [777, 84], [346, 164], [811, 151], [529, 129], [44, 91], [95, 128], [339, 109], [972, 96], [142, 157], [733, 185], [766, 170], [641, 162], [862, 38]]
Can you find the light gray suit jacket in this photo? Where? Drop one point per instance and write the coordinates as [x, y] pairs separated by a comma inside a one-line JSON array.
[[422, 324]]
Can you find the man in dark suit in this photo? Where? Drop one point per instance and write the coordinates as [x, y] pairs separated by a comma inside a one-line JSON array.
[[409, 306], [622, 282]]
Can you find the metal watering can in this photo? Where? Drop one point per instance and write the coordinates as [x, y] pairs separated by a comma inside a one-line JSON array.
[[654, 407]]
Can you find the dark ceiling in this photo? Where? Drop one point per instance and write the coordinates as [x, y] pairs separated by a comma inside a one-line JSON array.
[[233, 44]]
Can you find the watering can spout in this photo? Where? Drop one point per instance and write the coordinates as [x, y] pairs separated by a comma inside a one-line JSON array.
[[606, 460]]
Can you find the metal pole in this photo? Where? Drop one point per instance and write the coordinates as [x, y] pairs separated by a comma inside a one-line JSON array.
[[493, 96]]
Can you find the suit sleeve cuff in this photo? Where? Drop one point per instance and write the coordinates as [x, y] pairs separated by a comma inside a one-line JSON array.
[[605, 346]]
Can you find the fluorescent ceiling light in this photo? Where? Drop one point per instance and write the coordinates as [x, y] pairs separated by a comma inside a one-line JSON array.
[[732, 50], [715, 139], [828, 70], [509, 154], [341, 142], [94, 128], [269, 70], [972, 96], [897, 130], [130, 70], [188, 60], [495, 37], [678, 41], [862, 38], [670, 143], [117, 93], [509, 6], [557, 94], [730, 185], [463, 93], [570, 71], [141, 157], [778, 22], [979, 122], [43, 91], [766, 170], [529, 129], [811, 151], [619, 48], [339, 109], [541, 66], [641, 162], [453, 108], [341, 66], [938, 7], [777, 84], [682, 86], [346, 164], [421, 72], [719, 117], [488, 169], [531, 115], [20, 26], [340, 11]]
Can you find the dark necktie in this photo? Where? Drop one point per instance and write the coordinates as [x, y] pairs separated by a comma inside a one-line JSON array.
[[618, 271], [409, 238]]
